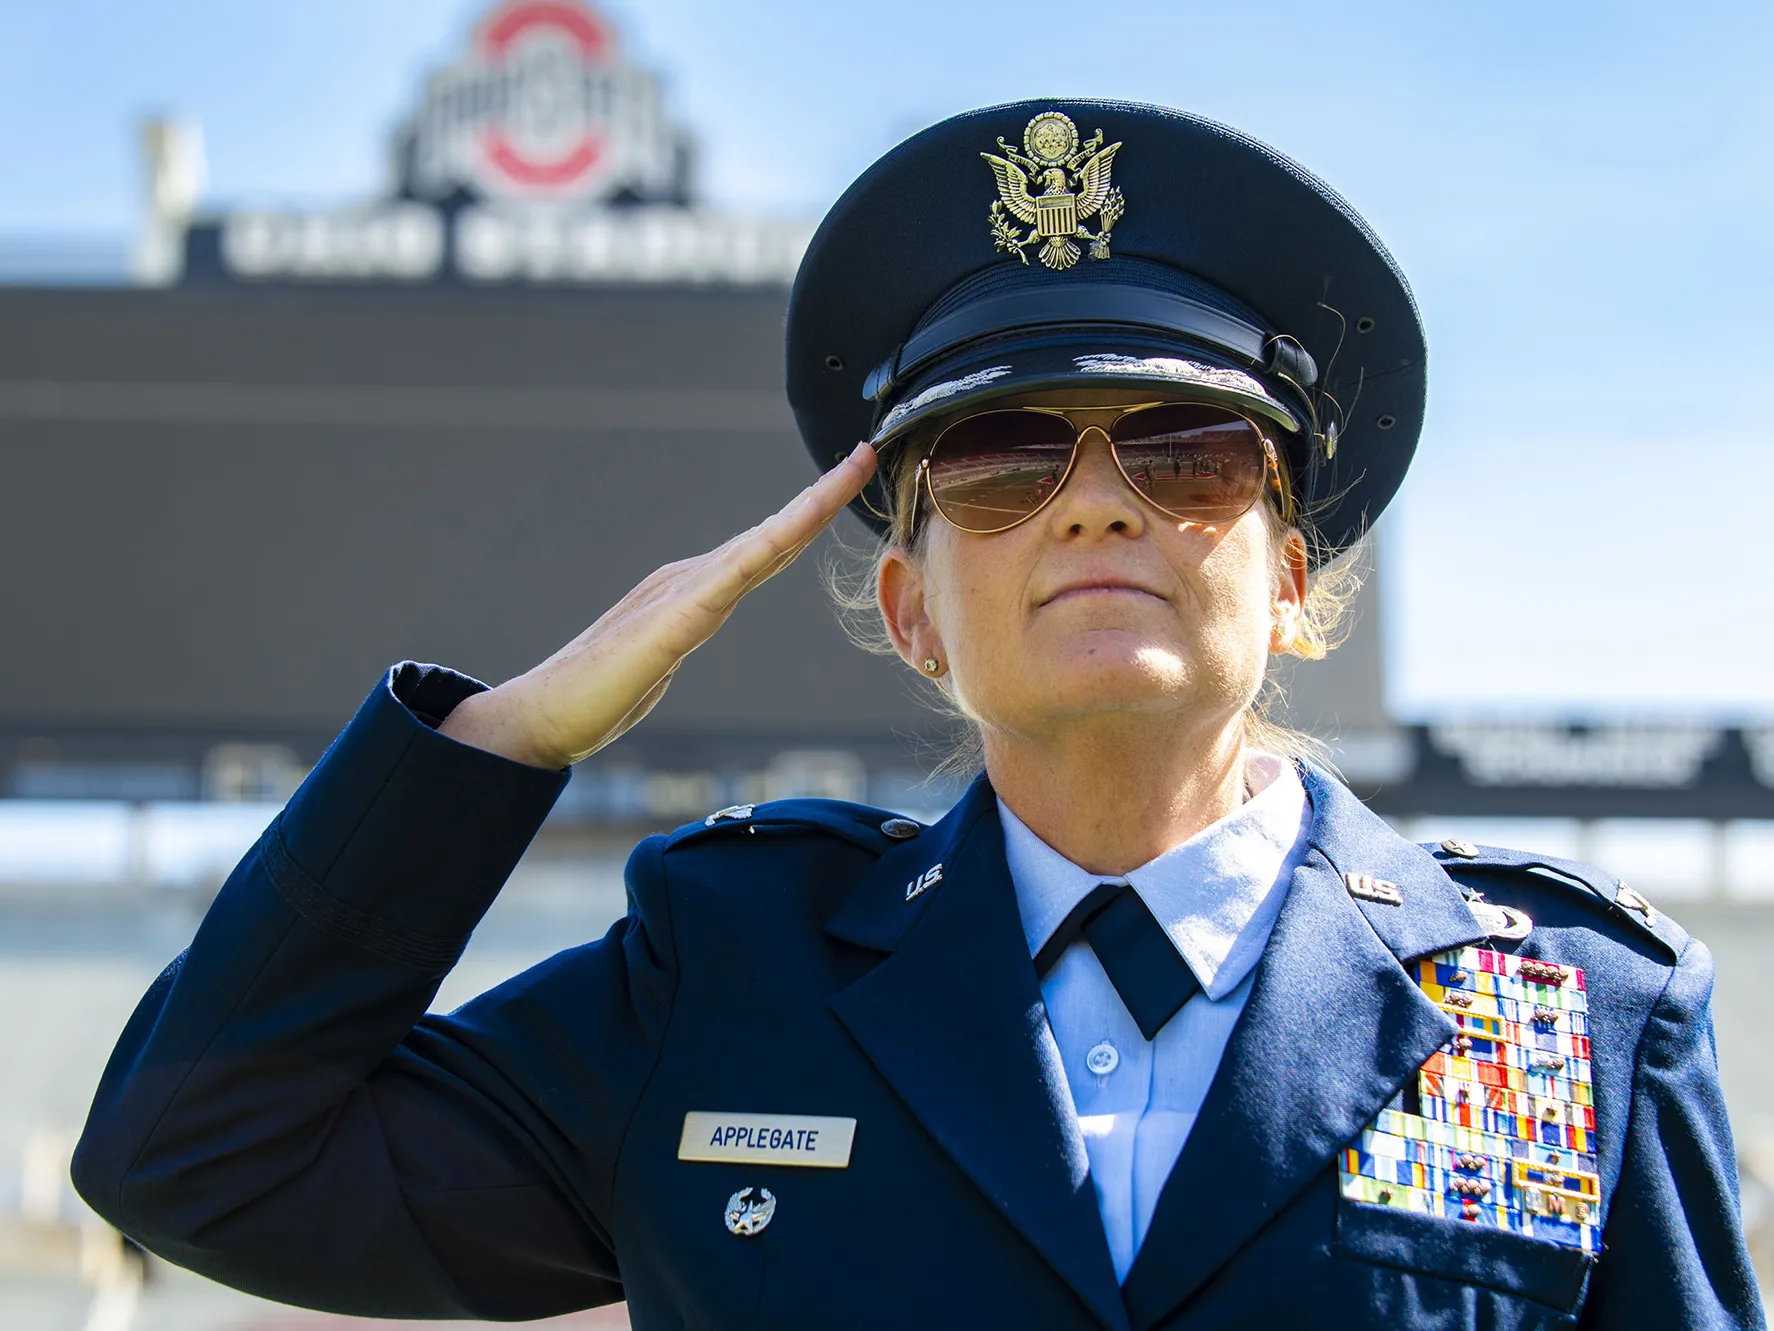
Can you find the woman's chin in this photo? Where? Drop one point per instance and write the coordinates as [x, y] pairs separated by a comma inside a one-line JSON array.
[[1108, 655], [1110, 675]]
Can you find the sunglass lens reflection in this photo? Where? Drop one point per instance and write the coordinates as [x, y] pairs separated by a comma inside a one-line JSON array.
[[1199, 463], [990, 471]]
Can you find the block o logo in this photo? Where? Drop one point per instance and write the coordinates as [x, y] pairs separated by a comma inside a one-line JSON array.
[[548, 138]]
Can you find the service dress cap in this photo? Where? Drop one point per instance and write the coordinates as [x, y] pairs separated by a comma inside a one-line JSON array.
[[1055, 244]]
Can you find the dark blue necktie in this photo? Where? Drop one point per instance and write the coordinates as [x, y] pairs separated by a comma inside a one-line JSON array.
[[1137, 955]]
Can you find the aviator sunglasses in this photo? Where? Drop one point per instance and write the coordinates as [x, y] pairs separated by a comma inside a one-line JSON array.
[[1194, 461]]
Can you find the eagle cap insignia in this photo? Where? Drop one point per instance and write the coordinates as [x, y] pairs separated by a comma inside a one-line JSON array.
[[1053, 186]]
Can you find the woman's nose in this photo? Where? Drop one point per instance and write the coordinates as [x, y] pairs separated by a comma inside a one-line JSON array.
[[1096, 496]]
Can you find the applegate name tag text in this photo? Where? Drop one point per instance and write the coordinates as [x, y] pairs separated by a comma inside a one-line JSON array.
[[768, 1139]]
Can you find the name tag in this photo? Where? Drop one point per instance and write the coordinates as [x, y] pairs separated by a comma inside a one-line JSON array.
[[768, 1139]]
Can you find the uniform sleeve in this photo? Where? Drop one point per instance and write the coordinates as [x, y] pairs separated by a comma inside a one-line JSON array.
[[1673, 1251], [280, 1114]]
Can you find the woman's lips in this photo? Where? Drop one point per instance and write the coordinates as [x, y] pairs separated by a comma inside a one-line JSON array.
[[1100, 589]]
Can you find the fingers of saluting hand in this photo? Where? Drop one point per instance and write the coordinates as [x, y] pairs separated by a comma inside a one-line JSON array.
[[608, 678], [755, 556]]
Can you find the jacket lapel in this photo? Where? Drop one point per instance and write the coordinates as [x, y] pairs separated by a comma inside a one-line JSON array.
[[958, 974], [1333, 1028]]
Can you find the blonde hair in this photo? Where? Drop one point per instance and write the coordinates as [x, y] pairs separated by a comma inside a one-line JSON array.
[[852, 580]]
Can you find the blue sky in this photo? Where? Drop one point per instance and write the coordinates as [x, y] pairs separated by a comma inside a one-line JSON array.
[[1581, 194]]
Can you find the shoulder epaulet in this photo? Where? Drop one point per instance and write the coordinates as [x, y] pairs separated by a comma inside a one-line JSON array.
[[862, 825], [1618, 899]]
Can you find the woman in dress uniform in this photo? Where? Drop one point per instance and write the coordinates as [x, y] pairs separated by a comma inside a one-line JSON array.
[[1159, 1027]]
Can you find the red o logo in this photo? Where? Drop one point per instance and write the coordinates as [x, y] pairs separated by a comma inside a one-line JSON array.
[[546, 139]]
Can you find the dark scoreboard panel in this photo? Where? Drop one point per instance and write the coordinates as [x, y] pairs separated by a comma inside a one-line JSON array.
[[223, 512]]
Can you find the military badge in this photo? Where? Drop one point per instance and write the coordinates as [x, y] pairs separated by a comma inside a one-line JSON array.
[[1499, 1127], [749, 1210], [1073, 184]]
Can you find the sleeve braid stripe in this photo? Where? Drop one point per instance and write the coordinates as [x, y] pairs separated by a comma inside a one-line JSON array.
[[305, 896]]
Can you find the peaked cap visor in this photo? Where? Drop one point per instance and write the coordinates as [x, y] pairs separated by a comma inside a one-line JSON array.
[[984, 377], [875, 325]]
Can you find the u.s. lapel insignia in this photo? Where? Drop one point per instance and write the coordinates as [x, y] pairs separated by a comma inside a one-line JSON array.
[[923, 882], [1498, 1128], [1368, 888], [1053, 186]]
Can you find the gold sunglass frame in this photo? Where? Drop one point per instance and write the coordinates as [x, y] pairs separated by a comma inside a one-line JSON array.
[[1114, 416]]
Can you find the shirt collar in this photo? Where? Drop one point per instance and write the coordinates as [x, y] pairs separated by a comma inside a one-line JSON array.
[[1217, 894]]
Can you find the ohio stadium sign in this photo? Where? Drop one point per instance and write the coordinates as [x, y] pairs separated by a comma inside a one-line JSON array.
[[540, 156], [541, 108]]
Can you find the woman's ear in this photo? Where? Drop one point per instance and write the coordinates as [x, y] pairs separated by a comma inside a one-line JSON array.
[[1289, 611], [899, 589]]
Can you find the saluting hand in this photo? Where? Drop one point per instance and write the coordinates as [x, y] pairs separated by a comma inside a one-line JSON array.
[[599, 685]]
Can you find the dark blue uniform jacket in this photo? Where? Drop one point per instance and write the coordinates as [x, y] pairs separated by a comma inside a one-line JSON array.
[[281, 1115]]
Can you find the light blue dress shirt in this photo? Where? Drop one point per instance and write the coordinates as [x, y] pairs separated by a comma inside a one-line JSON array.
[[1217, 896]]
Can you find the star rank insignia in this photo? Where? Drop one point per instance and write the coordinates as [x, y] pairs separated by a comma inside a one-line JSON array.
[[1499, 1127], [1053, 186]]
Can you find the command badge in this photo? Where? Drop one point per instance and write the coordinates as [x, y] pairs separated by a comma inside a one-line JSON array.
[[1074, 186], [1499, 1127], [749, 1210]]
